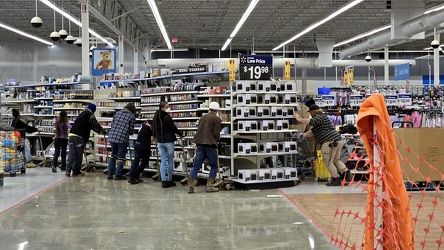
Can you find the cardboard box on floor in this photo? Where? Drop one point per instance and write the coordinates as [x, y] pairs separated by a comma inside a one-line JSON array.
[[428, 144]]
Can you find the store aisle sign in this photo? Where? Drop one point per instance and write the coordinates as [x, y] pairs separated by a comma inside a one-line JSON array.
[[402, 72], [356, 100], [252, 67], [103, 61]]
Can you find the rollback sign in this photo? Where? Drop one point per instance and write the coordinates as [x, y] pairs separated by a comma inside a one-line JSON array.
[[252, 67]]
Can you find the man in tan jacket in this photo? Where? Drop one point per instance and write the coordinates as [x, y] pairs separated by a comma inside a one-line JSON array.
[[206, 138]]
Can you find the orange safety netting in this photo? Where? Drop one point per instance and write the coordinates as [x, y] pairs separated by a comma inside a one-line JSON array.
[[382, 213]]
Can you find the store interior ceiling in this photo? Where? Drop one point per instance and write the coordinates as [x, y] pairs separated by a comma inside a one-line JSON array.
[[207, 24]]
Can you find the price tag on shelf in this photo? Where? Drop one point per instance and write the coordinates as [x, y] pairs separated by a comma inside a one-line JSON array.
[[356, 100], [252, 67], [405, 99], [391, 100], [329, 100]]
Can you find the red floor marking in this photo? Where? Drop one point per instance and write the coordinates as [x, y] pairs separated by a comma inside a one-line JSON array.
[[305, 214], [32, 196]]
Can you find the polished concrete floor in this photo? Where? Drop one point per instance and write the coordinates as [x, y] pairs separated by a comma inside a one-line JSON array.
[[44, 210]]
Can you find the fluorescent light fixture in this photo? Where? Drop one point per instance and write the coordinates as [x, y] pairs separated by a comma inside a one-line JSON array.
[[25, 34], [174, 50], [72, 19], [437, 8], [315, 25], [156, 14], [363, 35], [241, 22]]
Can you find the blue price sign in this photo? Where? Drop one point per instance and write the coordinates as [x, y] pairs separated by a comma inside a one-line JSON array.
[[252, 67]]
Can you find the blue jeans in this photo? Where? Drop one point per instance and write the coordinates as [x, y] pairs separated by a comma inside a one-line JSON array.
[[60, 147], [166, 151], [205, 152], [76, 146], [27, 149], [118, 152], [140, 153]]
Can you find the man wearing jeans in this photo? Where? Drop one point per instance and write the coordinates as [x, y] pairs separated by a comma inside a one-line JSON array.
[[206, 138], [78, 136], [122, 127]]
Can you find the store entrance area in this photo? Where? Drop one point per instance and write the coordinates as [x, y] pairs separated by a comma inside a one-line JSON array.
[[44, 210]]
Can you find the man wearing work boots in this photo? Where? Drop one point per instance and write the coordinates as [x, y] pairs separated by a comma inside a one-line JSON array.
[[206, 138], [331, 141]]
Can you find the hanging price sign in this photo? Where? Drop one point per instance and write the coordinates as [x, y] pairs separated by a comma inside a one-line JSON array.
[[252, 67], [405, 99], [356, 100], [391, 100]]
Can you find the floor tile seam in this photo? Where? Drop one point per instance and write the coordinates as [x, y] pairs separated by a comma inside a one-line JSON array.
[[318, 225], [32, 196]]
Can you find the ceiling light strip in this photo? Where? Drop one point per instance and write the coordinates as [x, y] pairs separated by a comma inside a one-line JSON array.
[[315, 25], [25, 34], [363, 35], [159, 21], [74, 20], [247, 13], [436, 8]]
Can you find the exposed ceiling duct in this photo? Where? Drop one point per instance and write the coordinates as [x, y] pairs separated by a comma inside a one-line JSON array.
[[410, 28]]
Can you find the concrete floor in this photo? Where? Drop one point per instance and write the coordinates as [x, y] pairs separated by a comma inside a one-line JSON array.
[[43, 210]]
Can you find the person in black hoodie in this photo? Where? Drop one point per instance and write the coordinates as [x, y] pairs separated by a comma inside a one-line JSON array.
[[142, 151], [78, 136], [165, 133], [23, 129]]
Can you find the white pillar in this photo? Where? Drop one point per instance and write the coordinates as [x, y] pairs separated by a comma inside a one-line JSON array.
[[136, 61], [436, 60], [386, 64], [85, 39], [120, 54]]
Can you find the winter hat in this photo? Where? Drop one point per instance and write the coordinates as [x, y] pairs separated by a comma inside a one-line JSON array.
[[92, 107]]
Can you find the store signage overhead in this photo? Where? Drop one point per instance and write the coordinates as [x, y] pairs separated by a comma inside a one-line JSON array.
[[402, 72], [252, 67]]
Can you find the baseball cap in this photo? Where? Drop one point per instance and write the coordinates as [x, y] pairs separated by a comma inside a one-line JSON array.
[[313, 107]]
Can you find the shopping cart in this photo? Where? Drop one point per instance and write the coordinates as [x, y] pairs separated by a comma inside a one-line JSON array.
[[12, 153], [305, 156]]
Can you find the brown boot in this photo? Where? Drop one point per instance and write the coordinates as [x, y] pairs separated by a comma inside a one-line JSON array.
[[191, 183], [210, 187]]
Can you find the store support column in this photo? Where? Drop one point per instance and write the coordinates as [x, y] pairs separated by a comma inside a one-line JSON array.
[[120, 57], [85, 39], [136, 60], [436, 60]]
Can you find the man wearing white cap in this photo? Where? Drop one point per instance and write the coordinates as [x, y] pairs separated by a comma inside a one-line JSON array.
[[206, 138]]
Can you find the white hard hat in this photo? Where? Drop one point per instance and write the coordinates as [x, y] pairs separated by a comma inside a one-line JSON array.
[[214, 106]]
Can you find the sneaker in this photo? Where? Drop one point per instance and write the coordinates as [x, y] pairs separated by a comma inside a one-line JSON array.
[[166, 184], [54, 170], [118, 178], [190, 190], [348, 176], [140, 180], [80, 173], [132, 180], [110, 177], [172, 183], [334, 182]]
